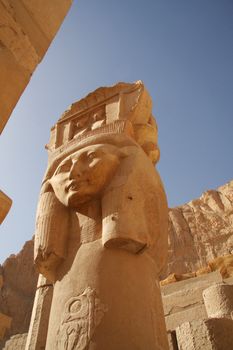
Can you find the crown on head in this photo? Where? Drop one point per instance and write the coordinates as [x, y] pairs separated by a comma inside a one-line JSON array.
[[120, 109]]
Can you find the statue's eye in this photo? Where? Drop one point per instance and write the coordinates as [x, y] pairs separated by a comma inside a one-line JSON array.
[[63, 168]]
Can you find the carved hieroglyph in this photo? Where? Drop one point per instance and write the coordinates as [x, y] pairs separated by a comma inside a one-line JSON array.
[[81, 316], [102, 223]]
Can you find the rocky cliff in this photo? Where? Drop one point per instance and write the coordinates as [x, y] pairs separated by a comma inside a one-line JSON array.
[[19, 280], [200, 230]]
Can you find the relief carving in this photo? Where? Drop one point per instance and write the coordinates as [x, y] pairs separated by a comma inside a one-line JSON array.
[[81, 316]]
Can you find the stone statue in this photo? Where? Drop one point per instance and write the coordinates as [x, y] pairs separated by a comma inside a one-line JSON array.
[[101, 231]]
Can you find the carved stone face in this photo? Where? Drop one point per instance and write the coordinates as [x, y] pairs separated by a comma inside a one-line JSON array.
[[84, 174]]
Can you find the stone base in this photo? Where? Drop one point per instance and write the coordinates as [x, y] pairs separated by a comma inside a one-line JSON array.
[[16, 342], [211, 334]]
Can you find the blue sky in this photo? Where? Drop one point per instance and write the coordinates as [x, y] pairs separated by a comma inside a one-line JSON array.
[[182, 50]]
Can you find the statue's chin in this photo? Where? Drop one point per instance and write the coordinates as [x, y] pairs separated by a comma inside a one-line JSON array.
[[77, 199]]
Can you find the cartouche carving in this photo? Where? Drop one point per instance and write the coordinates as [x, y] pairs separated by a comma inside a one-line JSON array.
[[81, 316]]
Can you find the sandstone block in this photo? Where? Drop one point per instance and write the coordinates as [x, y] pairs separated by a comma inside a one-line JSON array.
[[182, 300], [176, 319], [211, 334], [218, 301], [16, 342], [37, 333], [26, 31], [202, 281]]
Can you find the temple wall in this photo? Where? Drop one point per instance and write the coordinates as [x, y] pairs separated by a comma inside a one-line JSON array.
[[27, 28]]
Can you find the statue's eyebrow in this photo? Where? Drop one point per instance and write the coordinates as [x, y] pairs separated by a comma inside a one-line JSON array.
[[63, 163]]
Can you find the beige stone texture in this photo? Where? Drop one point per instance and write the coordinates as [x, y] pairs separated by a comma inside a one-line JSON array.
[[172, 342], [191, 314], [37, 333], [5, 205], [218, 301], [223, 264], [200, 231], [27, 28], [102, 239], [16, 342], [183, 301], [5, 324], [203, 281], [18, 290], [229, 280], [211, 334]]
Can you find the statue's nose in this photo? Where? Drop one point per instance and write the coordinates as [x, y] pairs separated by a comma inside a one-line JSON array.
[[77, 169]]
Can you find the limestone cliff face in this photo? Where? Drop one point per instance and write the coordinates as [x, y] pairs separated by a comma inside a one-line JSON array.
[[19, 280], [201, 230]]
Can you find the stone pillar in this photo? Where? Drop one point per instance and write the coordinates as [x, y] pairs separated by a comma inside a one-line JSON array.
[[218, 301], [36, 339], [26, 31], [101, 228]]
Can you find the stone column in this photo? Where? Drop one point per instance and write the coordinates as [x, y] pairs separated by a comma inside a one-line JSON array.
[[37, 334], [101, 228], [218, 301]]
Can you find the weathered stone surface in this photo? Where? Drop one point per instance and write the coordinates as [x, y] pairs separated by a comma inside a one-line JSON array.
[[176, 319], [203, 281], [27, 28], [218, 301], [18, 290], [183, 301], [229, 280], [5, 324], [37, 333], [101, 229], [5, 204], [172, 342], [200, 231], [16, 342], [211, 334], [223, 264]]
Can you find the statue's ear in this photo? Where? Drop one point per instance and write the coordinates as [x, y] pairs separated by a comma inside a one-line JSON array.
[[127, 151]]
